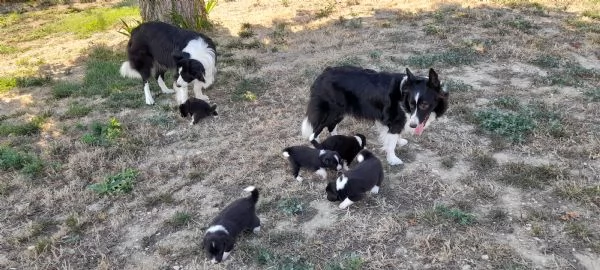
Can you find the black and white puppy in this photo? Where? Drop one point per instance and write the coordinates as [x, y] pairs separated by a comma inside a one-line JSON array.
[[313, 159], [238, 216], [197, 109], [347, 146], [351, 185], [156, 47]]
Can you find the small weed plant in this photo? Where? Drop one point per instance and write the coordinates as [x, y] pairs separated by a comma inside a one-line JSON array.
[[119, 183]]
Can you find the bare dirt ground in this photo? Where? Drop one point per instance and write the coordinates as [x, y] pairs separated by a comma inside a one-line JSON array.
[[464, 199]]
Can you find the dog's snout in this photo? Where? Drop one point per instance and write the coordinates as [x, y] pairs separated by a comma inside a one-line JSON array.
[[413, 125], [178, 85]]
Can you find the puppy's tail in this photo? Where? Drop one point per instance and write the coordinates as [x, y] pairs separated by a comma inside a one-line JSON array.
[[307, 128], [363, 155], [253, 193], [128, 71]]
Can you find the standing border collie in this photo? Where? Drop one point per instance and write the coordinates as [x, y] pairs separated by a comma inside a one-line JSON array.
[[392, 100], [351, 185], [156, 47], [236, 217]]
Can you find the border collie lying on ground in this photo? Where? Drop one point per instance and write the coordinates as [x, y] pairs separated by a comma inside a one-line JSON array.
[[197, 109], [351, 185], [156, 47], [316, 160], [392, 100], [347, 146], [236, 217]]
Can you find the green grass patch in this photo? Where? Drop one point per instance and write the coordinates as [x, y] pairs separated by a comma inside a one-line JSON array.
[[85, 23], [65, 89], [179, 220], [579, 231], [455, 214], [240, 44], [248, 89], [580, 193], [515, 126], [583, 25], [27, 163], [7, 49], [33, 81], [547, 61], [350, 262], [454, 86], [521, 24], [119, 183], [453, 57], [7, 83], [30, 128], [592, 94], [530, 176], [291, 206], [509, 103], [326, 10], [246, 31], [103, 134], [77, 110]]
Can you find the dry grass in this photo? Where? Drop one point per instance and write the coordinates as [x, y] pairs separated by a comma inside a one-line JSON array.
[[470, 196]]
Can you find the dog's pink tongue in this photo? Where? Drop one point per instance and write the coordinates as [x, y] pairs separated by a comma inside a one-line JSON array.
[[419, 129]]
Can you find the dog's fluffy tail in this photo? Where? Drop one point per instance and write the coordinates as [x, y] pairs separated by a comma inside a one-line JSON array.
[[307, 128], [127, 71], [254, 193]]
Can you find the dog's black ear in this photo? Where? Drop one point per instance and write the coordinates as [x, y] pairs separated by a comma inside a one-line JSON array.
[[434, 81], [213, 110], [197, 71], [409, 75]]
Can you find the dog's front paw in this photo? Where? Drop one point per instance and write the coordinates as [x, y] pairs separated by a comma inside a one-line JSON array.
[[150, 101], [299, 179], [402, 142], [394, 160], [168, 91], [375, 190]]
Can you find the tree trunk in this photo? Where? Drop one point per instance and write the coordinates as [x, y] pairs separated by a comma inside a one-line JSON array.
[[190, 14]]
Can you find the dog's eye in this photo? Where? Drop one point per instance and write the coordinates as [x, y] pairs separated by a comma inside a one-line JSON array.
[[424, 106]]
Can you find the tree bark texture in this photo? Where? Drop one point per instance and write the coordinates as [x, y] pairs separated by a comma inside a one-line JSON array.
[[189, 14]]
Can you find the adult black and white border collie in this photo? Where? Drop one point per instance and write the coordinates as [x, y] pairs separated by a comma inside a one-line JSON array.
[[351, 186], [238, 216], [392, 100], [156, 47]]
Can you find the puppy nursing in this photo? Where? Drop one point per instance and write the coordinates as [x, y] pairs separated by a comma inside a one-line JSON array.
[[236, 217], [351, 185], [316, 160]]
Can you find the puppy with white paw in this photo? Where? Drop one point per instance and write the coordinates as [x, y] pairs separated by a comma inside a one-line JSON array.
[[235, 218], [347, 146], [350, 187], [197, 109], [317, 160]]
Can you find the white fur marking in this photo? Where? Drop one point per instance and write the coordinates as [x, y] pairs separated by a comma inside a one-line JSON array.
[[321, 172], [414, 120], [225, 255], [256, 230], [403, 82], [180, 82], [192, 122], [360, 158], [322, 152], [346, 166], [213, 261], [334, 131], [402, 142], [181, 93], [199, 50], [299, 179], [250, 189], [149, 99], [389, 142], [198, 90], [375, 190], [286, 154], [341, 182], [347, 202], [312, 137], [359, 140], [217, 228], [163, 86], [306, 129], [128, 72]]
